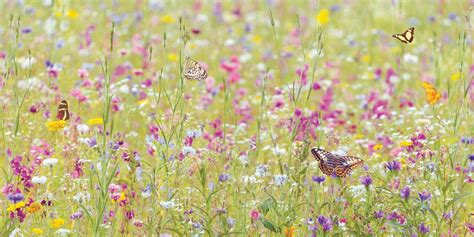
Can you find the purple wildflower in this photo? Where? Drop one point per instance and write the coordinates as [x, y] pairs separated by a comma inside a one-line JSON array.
[[405, 192], [326, 223], [15, 197], [223, 178], [379, 214], [319, 179], [425, 195], [424, 229], [393, 165], [76, 215], [448, 215], [467, 140], [366, 180]]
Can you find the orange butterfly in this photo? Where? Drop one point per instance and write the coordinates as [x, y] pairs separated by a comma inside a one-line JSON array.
[[334, 164]]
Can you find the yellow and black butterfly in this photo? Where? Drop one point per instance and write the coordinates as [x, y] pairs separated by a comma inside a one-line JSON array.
[[63, 112], [334, 164], [194, 71], [407, 36]]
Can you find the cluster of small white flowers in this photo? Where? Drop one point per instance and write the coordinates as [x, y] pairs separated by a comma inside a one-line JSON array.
[[39, 179], [280, 179], [167, 204], [82, 197], [50, 162], [187, 150], [261, 171]]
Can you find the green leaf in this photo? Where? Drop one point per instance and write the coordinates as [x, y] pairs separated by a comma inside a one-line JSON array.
[[457, 198], [266, 206], [269, 225], [433, 214], [447, 186]]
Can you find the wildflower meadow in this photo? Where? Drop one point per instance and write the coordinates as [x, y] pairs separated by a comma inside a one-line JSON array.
[[236, 118]]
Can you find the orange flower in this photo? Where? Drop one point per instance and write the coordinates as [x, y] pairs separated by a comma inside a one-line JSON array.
[[34, 207], [290, 232], [432, 95]]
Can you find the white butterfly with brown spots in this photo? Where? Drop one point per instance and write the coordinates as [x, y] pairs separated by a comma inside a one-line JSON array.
[[194, 71]]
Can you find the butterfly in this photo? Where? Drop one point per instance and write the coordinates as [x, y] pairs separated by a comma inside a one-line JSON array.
[[63, 112], [407, 36], [194, 71], [335, 164]]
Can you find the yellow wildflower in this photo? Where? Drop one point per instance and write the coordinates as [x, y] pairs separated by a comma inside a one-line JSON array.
[[15, 206], [122, 197], [173, 57], [72, 14], [403, 162], [34, 207], [366, 58], [257, 39], [406, 143], [456, 76], [378, 147], [290, 232], [37, 231], [57, 223], [58, 14], [192, 46], [142, 102], [56, 125], [359, 136], [323, 17], [95, 121], [167, 19], [11, 208], [432, 95]]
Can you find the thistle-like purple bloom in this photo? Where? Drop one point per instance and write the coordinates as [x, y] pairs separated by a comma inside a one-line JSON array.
[[92, 142], [76, 215], [448, 215], [223, 178], [326, 223], [467, 140], [366, 180], [15, 197], [424, 229], [379, 214], [319, 179], [471, 157], [424, 196], [393, 165], [405, 192]]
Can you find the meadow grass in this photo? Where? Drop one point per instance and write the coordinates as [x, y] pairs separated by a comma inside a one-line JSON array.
[[146, 152]]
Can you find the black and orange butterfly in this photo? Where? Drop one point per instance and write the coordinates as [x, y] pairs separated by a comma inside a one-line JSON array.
[[334, 164], [407, 36], [63, 112]]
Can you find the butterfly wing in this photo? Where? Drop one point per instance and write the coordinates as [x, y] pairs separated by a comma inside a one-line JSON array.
[[320, 154], [347, 165], [326, 160], [340, 165], [400, 37], [407, 36], [63, 111], [194, 71], [326, 169]]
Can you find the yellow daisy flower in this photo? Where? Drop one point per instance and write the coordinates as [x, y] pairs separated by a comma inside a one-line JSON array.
[[56, 125], [95, 121], [57, 223], [323, 17]]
